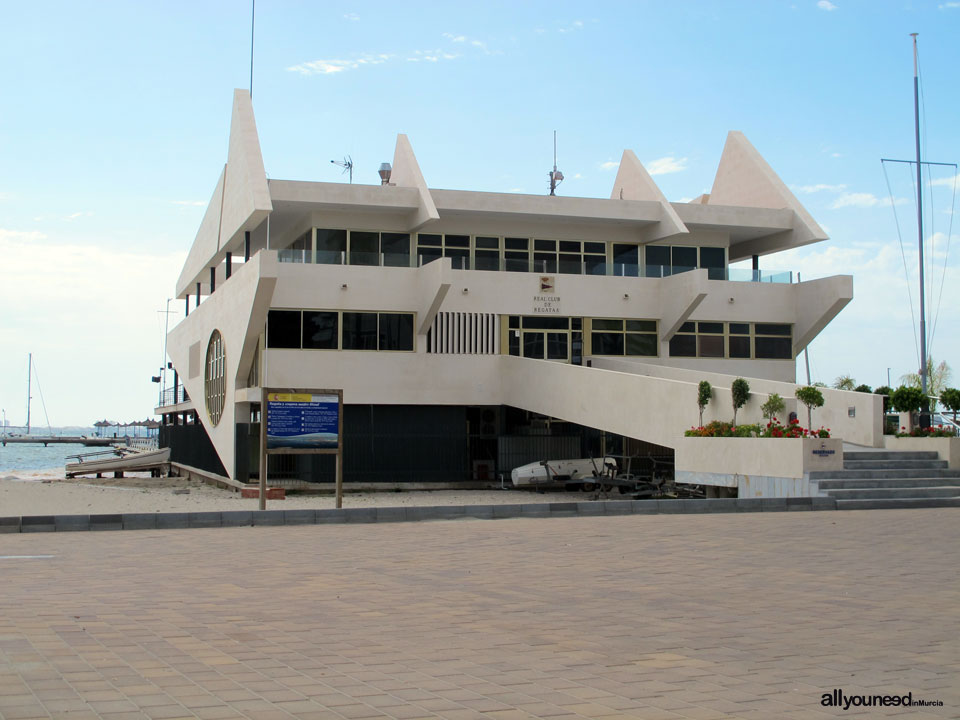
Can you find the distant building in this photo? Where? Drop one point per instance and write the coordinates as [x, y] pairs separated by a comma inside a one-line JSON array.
[[474, 331]]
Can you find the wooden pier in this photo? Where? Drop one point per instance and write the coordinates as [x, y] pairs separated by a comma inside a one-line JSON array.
[[63, 440]]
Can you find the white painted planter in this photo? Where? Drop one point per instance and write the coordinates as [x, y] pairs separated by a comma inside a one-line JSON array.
[[948, 448], [758, 467]]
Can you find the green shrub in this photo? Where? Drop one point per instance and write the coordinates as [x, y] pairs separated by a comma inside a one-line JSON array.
[[885, 391], [812, 398], [907, 399], [704, 393], [740, 392], [773, 406]]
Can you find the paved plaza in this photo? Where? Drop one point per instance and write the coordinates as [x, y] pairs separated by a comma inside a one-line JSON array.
[[751, 615]]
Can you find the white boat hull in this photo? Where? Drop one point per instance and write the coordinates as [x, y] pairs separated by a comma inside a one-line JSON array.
[[128, 462], [561, 472]]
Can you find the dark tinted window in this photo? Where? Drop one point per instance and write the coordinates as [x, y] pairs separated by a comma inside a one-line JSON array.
[[657, 259], [642, 326], [739, 347], [766, 329], [331, 246], [396, 331], [486, 260], [533, 345], [683, 346], [712, 257], [739, 328], [556, 346], [546, 323], [709, 327], [571, 246], [606, 343], [320, 330], [642, 345], [711, 346], [283, 329], [364, 248], [396, 249], [687, 327], [777, 348], [487, 242], [516, 243], [460, 241], [359, 331], [684, 258], [602, 324], [429, 239]]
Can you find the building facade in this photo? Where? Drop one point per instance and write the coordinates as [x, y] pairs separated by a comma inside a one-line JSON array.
[[470, 331]]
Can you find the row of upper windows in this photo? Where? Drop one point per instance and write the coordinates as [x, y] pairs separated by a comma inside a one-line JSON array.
[[768, 341], [512, 254], [552, 338], [339, 330]]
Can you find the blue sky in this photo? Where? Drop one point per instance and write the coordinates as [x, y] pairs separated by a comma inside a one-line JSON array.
[[115, 116]]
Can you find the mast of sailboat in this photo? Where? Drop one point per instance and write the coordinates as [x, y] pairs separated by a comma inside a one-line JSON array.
[[923, 315], [29, 379]]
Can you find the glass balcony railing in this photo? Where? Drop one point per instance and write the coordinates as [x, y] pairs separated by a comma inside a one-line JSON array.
[[503, 263], [767, 276]]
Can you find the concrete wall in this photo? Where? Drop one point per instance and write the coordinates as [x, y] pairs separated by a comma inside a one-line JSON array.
[[864, 428], [946, 448]]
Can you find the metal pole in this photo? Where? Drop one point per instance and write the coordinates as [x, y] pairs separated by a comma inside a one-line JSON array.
[[806, 349], [923, 316], [340, 450], [166, 329], [253, 16], [29, 378], [263, 448]]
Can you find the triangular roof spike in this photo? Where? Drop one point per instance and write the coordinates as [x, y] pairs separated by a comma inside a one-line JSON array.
[[745, 179], [634, 183], [246, 179], [406, 173]]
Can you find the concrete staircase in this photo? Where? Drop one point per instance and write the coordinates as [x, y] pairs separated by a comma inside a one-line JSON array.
[[882, 479]]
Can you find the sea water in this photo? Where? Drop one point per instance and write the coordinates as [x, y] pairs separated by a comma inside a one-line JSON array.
[[22, 456]]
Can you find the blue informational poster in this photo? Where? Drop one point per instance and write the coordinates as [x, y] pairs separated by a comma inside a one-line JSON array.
[[302, 421]]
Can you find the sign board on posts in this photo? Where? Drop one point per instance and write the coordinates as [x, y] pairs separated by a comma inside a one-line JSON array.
[[301, 422]]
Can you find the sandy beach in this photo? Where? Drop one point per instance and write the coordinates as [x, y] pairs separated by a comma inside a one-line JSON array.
[[47, 492]]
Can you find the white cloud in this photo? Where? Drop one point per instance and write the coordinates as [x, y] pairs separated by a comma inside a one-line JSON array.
[[609, 165], [74, 216], [455, 38], [331, 67], [191, 203], [863, 200], [948, 181], [826, 5], [577, 176], [353, 17], [575, 25], [836, 154], [666, 165], [809, 189], [949, 5], [5, 196], [20, 236]]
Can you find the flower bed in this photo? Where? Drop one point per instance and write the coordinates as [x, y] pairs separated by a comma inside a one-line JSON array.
[[934, 431], [773, 429]]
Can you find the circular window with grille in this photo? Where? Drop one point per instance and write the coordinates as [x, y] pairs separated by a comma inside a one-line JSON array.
[[214, 379]]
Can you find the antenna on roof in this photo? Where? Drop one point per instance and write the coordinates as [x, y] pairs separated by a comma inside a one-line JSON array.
[[347, 165], [253, 17], [556, 177]]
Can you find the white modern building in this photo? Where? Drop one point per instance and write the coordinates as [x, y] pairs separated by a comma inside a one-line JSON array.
[[472, 331]]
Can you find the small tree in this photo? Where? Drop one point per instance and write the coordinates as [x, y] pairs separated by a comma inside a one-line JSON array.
[[844, 382], [740, 390], [812, 398], [907, 399], [772, 407], [863, 389], [950, 399], [704, 393], [885, 391]]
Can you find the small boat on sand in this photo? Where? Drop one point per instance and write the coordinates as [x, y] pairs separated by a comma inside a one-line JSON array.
[[563, 472], [118, 460]]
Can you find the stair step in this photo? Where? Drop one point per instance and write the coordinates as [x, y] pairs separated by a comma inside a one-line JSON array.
[[894, 464], [883, 493], [890, 455], [907, 473], [897, 503], [841, 484]]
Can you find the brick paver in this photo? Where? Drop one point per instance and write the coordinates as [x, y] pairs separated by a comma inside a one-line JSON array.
[[669, 616]]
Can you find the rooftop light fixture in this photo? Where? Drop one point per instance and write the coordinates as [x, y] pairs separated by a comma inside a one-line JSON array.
[[385, 171]]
